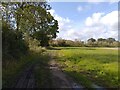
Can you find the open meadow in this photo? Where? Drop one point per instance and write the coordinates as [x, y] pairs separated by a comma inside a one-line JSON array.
[[90, 65]]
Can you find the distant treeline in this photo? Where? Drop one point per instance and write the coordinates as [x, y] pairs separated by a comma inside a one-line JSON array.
[[100, 42]]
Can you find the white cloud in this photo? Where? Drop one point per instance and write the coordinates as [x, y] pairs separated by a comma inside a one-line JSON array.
[[64, 24], [80, 8], [89, 21], [52, 12], [98, 25], [110, 19], [61, 21], [101, 25], [94, 20]]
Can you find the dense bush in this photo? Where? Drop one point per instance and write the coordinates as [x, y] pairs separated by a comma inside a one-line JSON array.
[[12, 43]]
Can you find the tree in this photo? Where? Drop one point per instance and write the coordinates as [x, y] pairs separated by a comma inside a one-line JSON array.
[[101, 42], [32, 18], [23, 20], [110, 41], [91, 41]]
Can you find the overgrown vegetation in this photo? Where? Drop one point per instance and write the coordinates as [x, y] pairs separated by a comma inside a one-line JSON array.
[[97, 65], [27, 28]]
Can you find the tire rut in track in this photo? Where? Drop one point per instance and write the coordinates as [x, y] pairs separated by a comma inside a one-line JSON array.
[[26, 79]]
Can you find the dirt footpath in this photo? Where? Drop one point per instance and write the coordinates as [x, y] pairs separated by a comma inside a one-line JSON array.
[[61, 80]]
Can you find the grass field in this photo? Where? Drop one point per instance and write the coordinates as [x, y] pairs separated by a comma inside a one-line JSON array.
[[90, 65]]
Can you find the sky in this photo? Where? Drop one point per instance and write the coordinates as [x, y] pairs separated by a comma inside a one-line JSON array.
[[84, 20]]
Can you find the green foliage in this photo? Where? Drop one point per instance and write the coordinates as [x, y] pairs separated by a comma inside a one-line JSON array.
[[31, 18], [12, 42], [26, 25]]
